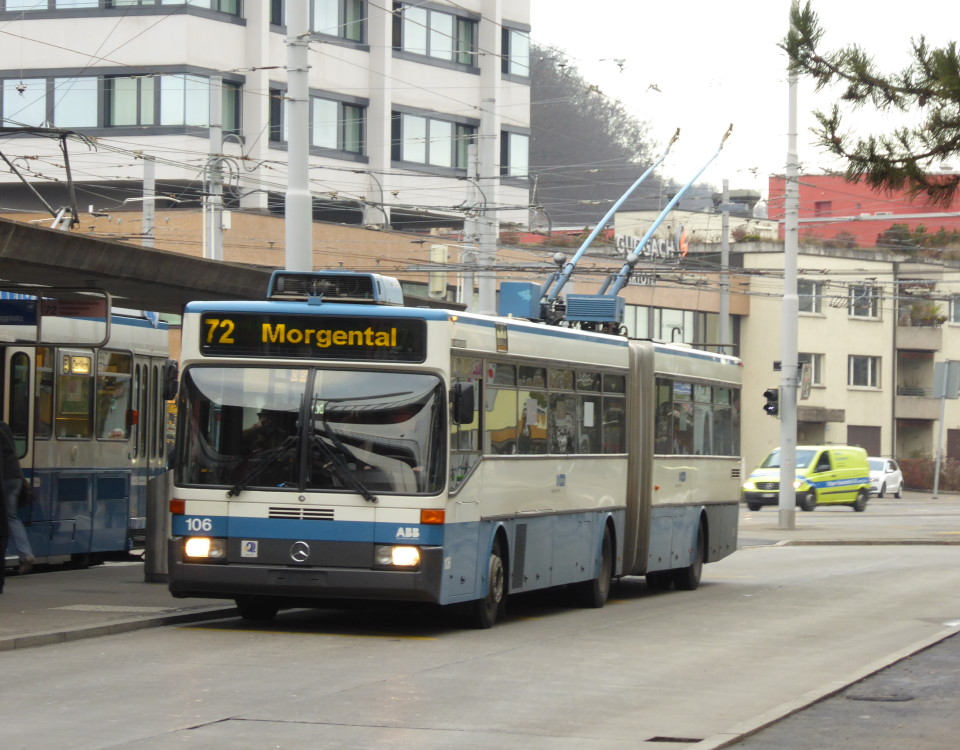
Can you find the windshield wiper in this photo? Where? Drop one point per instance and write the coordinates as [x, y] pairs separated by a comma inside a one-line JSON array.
[[339, 468], [266, 460]]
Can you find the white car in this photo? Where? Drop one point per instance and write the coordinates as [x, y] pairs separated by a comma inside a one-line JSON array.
[[885, 477]]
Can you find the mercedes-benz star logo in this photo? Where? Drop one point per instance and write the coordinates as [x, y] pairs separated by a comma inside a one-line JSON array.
[[300, 551]]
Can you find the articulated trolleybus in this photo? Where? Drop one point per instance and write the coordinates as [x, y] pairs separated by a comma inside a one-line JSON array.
[[335, 445]]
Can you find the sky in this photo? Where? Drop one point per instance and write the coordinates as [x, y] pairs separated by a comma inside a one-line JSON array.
[[701, 65]]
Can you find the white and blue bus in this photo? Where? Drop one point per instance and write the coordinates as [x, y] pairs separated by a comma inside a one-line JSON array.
[[333, 444], [85, 399]]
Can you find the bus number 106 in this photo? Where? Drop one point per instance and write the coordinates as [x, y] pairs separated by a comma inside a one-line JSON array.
[[199, 524]]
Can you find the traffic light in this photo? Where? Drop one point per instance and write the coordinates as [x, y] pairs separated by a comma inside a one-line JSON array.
[[772, 407]]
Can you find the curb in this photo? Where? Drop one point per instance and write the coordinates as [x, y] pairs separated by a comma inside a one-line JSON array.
[[66, 635], [752, 726]]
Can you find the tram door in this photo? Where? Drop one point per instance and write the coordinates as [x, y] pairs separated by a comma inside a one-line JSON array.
[[18, 382]]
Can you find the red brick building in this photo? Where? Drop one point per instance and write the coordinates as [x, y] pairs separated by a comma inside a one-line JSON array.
[[832, 209]]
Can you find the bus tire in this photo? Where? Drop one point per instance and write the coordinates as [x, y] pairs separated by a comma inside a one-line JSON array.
[[688, 578], [256, 608], [754, 506], [860, 504], [809, 501], [487, 610], [593, 594]]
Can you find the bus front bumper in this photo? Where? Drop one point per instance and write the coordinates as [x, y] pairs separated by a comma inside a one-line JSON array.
[[304, 583]]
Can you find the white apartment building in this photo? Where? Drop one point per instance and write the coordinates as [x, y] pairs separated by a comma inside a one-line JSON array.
[[419, 111], [872, 325]]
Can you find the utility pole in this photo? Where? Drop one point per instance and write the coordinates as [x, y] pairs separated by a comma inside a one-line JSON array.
[[215, 172], [298, 206], [724, 269], [149, 199], [791, 310], [489, 225]]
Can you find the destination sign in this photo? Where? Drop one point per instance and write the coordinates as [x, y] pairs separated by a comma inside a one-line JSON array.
[[313, 336]]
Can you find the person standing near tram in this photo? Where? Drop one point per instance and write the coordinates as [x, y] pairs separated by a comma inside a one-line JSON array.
[[12, 476]]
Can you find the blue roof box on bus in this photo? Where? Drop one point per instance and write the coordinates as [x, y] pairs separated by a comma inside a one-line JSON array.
[[335, 286]]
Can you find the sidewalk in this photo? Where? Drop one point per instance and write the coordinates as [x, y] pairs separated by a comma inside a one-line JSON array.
[[64, 605]]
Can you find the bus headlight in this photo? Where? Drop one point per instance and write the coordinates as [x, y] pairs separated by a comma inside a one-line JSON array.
[[204, 547], [397, 557]]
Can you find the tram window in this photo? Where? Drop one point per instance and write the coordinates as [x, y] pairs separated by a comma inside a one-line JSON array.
[[113, 395], [135, 415], [532, 422], [153, 408], [18, 406], [43, 399], [142, 426], [74, 414]]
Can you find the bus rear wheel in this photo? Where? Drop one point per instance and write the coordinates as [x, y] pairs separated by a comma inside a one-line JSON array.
[[256, 608], [594, 593], [688, 578], [487, 610]]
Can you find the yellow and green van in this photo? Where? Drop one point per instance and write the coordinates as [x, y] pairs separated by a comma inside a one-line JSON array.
[[826, 475]]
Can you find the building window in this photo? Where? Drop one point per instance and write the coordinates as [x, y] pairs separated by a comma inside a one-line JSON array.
[[514, 155], [427, 140], [955, 309], [224, 6], [75, 102], [810, 295], [515, 50], [823, 208], [24, 102], [336, 125], [864, 302], [340, 18], [130, 101], [433, 33], [863, 371], [816, 366]]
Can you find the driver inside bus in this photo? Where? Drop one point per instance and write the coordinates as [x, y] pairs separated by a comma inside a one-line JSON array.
[[269, 431]]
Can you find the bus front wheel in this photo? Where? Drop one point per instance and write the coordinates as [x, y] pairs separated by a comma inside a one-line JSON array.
[[809, 501]]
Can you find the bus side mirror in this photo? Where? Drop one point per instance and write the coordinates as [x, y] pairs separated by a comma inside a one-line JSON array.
[[171, 374], [464, 403]]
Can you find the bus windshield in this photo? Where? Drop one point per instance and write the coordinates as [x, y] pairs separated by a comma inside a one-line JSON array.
[[353, 431]]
